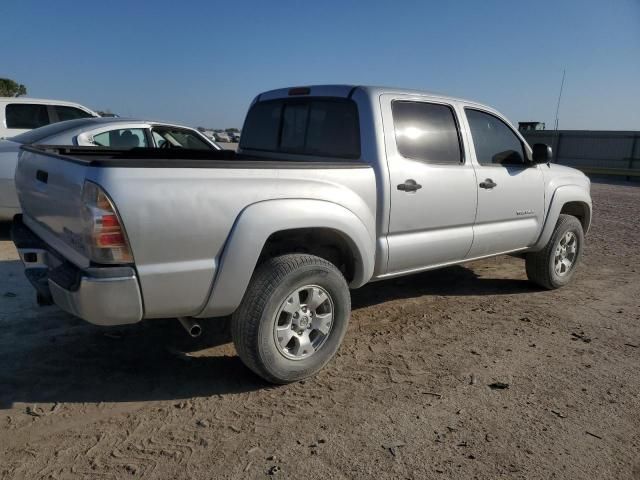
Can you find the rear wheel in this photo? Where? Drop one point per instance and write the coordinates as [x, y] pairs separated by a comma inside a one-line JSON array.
[[292, 318], [555, 265]]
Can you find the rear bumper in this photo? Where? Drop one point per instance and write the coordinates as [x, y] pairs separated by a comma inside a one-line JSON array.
[[99, 295]]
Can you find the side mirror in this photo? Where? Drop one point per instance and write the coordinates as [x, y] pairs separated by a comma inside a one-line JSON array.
[[541, 153]]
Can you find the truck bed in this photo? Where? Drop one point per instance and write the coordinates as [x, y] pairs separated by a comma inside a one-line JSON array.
[[180, 207], [178, 158]]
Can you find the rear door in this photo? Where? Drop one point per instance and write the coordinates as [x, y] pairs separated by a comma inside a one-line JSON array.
[[511, 189], [433, 184]]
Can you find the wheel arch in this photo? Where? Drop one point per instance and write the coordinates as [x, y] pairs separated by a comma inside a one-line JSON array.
[[275, 227], [569, 199], [579, 209]]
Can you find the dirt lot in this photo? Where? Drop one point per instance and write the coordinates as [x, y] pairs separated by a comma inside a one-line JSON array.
[[407, 397]]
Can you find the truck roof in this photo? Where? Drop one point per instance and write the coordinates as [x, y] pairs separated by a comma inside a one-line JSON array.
[[45, 101], [348, 90]]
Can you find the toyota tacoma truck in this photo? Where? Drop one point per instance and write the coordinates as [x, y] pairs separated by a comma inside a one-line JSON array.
[[332, 187]]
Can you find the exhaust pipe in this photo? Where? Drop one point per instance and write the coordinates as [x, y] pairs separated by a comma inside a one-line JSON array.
[[192, 327]]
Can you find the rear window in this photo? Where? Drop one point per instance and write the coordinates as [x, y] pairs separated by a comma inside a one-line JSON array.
[[26, 115], [320, 127]]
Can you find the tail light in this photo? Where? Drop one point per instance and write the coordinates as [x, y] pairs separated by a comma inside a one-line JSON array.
[[104, 234]]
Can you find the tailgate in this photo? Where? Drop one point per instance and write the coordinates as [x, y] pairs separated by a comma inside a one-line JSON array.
[[49, 188]]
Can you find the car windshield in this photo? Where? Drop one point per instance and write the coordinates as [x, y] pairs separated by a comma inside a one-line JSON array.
[[39, 134]]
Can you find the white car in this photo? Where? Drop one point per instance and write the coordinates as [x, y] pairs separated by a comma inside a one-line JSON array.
[[118, 133], [221, 137], [20, 114]]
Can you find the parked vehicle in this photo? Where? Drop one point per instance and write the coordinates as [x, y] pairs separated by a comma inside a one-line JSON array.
[[221, 137], [332, 187], [234, 137], [106, 132], [21, 114]]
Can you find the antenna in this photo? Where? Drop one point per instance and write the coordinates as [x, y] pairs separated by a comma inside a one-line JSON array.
[[559, 98], [555, 132]]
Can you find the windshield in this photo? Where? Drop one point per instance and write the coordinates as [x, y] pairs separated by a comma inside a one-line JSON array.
[[39, 134]]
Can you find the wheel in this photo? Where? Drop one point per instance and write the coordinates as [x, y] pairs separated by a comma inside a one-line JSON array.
[[292, 318], [555, 265]]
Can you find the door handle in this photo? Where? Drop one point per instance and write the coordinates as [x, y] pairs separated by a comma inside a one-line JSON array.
[[488, 184], [409, 185]]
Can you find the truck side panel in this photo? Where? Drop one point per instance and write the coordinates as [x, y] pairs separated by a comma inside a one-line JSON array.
[[259, 221], [193, 211]]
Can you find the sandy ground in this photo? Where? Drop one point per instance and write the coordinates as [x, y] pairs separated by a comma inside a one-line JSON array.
[[408, 396]]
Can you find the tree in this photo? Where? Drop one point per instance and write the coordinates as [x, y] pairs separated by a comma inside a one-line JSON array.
[[10, 88]]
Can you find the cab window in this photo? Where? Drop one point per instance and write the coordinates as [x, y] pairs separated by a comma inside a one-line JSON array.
[[427, 132], [70, 113], [494, 142], [325, 127], [26, 115]]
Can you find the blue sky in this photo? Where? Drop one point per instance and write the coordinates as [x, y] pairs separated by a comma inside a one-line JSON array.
[[201, 62]]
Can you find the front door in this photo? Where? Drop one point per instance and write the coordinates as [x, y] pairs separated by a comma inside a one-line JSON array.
[[433, 190], [511, 189]]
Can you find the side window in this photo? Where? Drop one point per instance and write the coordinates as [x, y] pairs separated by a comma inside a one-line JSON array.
[[494, 141], [426, 132], [159, 139], [70, 113], [123, 138], [169, 137], [26, 115]]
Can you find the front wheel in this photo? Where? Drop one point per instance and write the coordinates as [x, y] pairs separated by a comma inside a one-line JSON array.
[[555, 265], [292, 318]]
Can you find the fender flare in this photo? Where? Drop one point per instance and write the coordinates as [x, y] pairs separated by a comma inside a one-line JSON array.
[[562, 196], [257, 222]]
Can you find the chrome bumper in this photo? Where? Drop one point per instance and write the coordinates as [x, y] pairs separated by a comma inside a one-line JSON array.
[[101, 301], [99, 295]]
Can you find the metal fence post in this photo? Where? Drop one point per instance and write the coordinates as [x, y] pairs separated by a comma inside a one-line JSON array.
[[556, 148], [632, 154]]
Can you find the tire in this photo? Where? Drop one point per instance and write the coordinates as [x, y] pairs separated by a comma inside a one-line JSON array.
[[259, 326], [541, 266]]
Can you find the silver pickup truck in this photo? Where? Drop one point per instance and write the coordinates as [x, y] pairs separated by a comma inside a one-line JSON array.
[[332, 187]]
